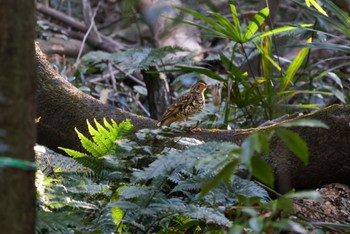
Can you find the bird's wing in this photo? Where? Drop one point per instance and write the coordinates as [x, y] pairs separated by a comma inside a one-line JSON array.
[[177, 106]]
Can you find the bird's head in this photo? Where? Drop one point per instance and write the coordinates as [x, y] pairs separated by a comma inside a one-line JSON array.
[[198, 88]]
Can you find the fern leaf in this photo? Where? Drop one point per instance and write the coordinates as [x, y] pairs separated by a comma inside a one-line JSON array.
[[72, 153], [90, 146], [104, 144]]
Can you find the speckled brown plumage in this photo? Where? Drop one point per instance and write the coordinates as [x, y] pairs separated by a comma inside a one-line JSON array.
[[187, 105]]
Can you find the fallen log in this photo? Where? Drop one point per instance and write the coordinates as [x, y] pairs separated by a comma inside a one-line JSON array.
[[62, 107]]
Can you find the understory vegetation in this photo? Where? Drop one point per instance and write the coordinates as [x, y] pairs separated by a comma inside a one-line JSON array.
[[119, 185], [190, 186]]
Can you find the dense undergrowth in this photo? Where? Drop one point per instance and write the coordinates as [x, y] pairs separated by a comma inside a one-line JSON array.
[[122, 186], [190, 186]]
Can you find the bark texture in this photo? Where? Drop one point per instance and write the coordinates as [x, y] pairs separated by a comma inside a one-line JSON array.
[[17, 113]]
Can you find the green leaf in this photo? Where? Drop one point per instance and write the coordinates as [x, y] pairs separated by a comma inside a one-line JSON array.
[[233, 68], [305, 123], [236, 21], [204, 71], [225, 175], [294, 143], [117, 215], [230, 31], [257, 142], [255, 23], [316, 5], [72, 153], [267, 57], [262, 171], [294, 66], [217, 29], [279, 30]]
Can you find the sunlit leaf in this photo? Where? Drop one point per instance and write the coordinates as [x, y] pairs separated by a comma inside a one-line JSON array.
[[279, 30], [294, 66], [255, 23], [316, 5]]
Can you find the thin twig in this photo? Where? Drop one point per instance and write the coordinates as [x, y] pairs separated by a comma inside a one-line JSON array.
[[130, 76], [110, 70], [86, 35]]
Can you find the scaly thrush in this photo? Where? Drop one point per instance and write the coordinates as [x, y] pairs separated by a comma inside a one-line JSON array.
[[185, 106]]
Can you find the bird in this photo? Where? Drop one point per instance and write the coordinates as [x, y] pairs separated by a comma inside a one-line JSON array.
[[185, 106]]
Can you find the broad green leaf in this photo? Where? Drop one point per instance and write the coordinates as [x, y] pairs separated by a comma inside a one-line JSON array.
[[255, 23], [262, 171], [294, 143], [257, 142], [305, 123], [225, 175], [294, 66], [316, 5], [257, 224]]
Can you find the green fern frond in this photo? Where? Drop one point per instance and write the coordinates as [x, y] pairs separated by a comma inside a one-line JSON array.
[[103, 138], [72, 153], [48, 222], [102, 141], [92, 163], [206, 157], [133, 191], [88, 145]]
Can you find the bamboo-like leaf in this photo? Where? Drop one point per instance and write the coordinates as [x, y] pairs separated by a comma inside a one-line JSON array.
[[228, 29], [217, 28], [255, 23], [294, 66], [279, 30], [316, 5], [294, 143], [233, 68], [236, 21], [265, 53], [204, 71]]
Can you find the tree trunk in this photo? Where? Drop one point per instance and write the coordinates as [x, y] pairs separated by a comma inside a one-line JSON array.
[[17, 113], [157, 93]]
